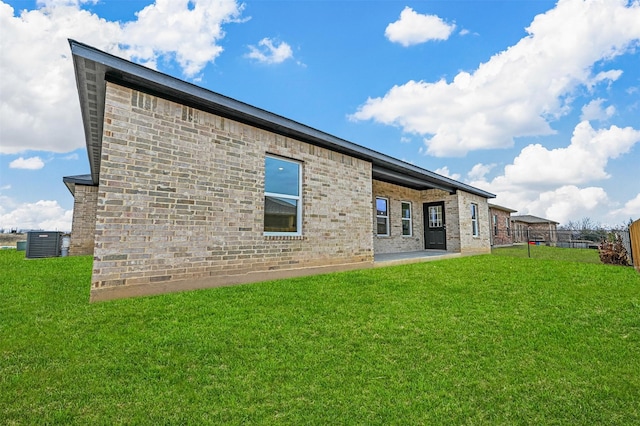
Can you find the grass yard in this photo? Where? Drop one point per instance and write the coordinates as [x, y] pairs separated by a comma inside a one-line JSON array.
[[554, 253], [491, 339]]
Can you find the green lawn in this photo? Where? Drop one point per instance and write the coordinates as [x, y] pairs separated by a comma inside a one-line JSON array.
[[491, 339], [554, 253]]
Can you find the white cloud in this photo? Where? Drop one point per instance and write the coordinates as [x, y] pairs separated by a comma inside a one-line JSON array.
[[184, 29], [552, 182], [73, 156], [583, 161], [479, 171], [444, 171], [562, 204], [519, 91], [569, 202], [39, 107], [631, 209], [44, 214], [31, 163], [595, 111], [414, 28], [269, 53]]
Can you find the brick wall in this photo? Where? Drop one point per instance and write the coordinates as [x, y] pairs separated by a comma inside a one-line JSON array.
[[501, 232], [523, 231], [451, 215], [84, 220], [181, 200], [395, 242], [469, 243]]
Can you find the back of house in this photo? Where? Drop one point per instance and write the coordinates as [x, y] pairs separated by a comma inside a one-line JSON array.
[[191, 189]]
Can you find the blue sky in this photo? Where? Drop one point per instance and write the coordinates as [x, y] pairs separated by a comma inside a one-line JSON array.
[[533, 100]]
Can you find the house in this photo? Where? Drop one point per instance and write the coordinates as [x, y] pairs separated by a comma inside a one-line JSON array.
[[191, 189], [533, 228], [500, 218]]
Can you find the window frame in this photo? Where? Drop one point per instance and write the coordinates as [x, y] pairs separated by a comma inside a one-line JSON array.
[[508, 223], [298, 198], [495, 224], [475, 223], [409, 219], [386, 217]]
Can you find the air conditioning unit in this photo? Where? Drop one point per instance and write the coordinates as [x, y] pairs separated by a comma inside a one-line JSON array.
[[43, 244]]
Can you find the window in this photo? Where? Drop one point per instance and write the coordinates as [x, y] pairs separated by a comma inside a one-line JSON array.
[[435, 217], [495, 224], [382, 216], [282, 200], [474, 220], [406, 219], [508, 226]]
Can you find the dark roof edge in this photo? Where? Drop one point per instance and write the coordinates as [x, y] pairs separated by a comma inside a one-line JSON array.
[[121, 70], [506, 209], [529, 218], [71, 182]]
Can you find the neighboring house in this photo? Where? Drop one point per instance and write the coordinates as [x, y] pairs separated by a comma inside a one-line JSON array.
[[191, 189], [534, 228], [500, 222]]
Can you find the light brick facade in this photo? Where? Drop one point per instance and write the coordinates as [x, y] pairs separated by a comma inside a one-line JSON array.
[[84, 220], [188, 180], [470, 244], [395, 242], [457, 207], [181, 198]]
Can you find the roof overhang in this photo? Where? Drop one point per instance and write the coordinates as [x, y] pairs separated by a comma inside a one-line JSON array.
[[93, 68], [497, 207], [71, 182]]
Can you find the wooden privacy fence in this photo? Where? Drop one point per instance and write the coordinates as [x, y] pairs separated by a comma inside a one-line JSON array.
[[634, 233]]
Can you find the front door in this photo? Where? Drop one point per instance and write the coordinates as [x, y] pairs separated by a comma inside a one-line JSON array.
[[435, 230]]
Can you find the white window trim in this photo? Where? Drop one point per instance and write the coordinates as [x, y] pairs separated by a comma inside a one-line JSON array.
[[383, 216], [475, 230], [410, 219], [290, 197]]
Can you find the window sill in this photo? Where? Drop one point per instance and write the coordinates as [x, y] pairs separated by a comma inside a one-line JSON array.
[[284, 237]]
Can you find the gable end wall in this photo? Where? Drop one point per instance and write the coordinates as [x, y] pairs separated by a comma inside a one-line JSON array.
[[181, 199]]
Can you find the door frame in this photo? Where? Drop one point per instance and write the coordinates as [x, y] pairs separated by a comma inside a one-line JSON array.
[[425, 218]]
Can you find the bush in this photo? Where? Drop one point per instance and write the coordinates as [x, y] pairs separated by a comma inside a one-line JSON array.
[[613, 252]]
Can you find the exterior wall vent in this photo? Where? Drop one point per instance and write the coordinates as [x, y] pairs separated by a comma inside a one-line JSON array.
[[43, 244]]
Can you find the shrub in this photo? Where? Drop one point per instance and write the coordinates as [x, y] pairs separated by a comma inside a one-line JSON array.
[[613, 252]]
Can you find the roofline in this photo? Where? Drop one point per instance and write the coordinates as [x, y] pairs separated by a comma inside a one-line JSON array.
[[71, 181], [542, 219], [93, 68], [506, 209]]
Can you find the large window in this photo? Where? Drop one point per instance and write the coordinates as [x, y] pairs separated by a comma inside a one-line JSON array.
[[382, 216], [282, 199], [474, 220], [406, 218]]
